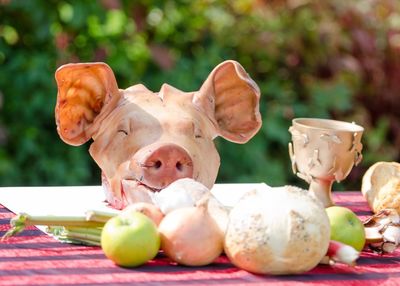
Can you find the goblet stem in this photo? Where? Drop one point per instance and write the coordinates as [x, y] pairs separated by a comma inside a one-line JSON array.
[[322, 190]]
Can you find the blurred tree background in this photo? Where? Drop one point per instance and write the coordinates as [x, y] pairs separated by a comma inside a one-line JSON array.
[[329, 59]]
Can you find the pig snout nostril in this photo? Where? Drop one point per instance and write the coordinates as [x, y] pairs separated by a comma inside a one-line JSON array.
[[157, 164]]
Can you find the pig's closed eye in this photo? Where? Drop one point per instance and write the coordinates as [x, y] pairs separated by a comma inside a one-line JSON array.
[[197, 133], [122, 131]]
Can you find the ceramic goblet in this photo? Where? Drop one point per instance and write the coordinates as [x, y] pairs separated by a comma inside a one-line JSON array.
[[323, 151]]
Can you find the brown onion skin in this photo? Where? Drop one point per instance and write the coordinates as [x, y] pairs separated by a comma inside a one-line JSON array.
[[149, 210], [189, 236]]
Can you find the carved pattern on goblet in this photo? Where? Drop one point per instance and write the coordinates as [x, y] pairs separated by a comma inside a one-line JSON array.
[[319, 155]]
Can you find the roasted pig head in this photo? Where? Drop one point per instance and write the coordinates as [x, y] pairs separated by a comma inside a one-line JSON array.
[[144, 140]]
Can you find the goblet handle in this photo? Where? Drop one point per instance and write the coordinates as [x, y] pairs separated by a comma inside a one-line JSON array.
[[321, 189]]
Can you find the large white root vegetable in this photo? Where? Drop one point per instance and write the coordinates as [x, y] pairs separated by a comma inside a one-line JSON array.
[[190, 236], [281, 230]]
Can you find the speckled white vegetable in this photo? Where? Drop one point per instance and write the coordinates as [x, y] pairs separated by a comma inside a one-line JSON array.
[[282, 230]]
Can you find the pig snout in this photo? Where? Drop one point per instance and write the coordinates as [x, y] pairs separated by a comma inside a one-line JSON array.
[[157, 166]]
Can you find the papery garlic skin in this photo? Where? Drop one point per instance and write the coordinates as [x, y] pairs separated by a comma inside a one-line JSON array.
[[179, 194]]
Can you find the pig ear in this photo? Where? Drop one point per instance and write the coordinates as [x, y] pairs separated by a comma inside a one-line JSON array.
[[83, 90], [231, 100]]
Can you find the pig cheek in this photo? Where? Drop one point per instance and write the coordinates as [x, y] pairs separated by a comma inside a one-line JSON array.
[[110, 153], [101, 155], [110, 183], [114, 195], [109, 158], [206, 164]]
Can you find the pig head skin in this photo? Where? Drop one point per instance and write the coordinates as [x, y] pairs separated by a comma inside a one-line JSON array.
[[144, 140]]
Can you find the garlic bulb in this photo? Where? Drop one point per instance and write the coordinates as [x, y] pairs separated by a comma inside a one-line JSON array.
[[179, 194]]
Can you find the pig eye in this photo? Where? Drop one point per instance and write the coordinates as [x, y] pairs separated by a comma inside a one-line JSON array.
[[122, 131], [123, 127], [197, 133]]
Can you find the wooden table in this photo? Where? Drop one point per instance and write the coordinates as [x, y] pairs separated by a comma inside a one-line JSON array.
[[33, 258]]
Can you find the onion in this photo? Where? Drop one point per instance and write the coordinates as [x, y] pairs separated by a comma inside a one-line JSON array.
[[149, 210], [187, 192], [190, 236], [281, 230]]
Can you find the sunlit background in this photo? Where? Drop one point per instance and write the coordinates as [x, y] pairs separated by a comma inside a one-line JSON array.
[[329, 59]]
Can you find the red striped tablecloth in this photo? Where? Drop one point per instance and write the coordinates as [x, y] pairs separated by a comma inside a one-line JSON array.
[[33, 258]]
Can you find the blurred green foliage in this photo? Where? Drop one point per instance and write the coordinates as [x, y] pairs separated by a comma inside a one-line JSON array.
[[329, 59]]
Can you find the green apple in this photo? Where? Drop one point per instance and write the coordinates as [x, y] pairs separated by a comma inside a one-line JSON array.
[[346, 227], [130, 239]]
